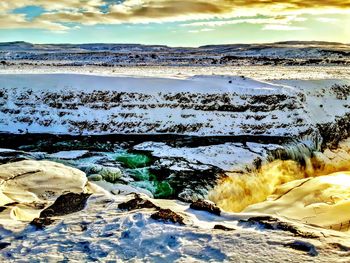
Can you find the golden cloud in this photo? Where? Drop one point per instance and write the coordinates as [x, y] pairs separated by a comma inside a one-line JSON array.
[[145, 11]]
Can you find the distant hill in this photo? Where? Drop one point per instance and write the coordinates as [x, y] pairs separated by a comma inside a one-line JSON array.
[[25, 46], [280, 53]]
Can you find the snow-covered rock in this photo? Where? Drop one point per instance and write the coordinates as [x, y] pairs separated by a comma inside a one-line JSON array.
[[28, 187], [202, 106]]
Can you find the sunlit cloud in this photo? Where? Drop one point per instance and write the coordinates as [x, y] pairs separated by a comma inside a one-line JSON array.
[[284, 20], [13, 21], [57, 14]]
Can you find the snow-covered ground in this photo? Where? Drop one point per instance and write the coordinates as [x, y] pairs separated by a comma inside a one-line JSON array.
[[265, 114], [200, 105], [103, 232], [180, 72]]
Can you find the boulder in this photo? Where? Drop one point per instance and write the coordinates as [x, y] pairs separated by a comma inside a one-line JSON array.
[[206, 206], [28, 188], [167, 215]]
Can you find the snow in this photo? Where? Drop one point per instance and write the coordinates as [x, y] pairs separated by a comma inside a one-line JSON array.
[[102, 232], [148, 85], [175, 100], [321, 101], [68, 155], [228, 156], [200, 105]]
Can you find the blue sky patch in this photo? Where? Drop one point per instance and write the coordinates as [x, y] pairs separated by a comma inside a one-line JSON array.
[[30, 11]]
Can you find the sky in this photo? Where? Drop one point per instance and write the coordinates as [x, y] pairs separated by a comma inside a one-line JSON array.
[[174, 23]]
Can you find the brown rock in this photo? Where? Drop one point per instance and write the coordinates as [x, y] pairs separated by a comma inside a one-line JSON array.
[[206, 206], [137, 203], [40, 223], [168, 215], [221, 227], [271, 223], [66, 204]]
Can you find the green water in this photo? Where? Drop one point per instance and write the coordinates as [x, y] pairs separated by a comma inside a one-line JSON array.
[[146, 180], [132, 160]]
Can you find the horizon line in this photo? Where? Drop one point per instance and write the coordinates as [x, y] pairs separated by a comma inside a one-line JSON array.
[[171, 46]]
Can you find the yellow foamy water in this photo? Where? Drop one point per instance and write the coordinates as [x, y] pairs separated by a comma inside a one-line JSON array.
[[318, 193], [237, 191], [323, 201]]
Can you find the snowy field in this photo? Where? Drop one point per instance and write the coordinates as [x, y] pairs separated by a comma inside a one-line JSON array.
[[255, 72]]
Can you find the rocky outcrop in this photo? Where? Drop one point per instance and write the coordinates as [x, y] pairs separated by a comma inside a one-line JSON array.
[[40, 189], [202, 106], [272, 223], [66, 204]]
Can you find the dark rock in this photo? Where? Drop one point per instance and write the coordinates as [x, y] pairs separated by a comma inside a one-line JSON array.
[[303, 246], [206, 206], [168, 215], [339, 246], [4, 245], [137, 203], [334, 132], [271, 223], [341, 91], [40, 223], [66, 204], [221, 227]]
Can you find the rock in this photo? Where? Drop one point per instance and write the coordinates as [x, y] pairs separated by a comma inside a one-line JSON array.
[[66, 204], [137, 203], [28, 187], [40, 223], [268, 222], [221, 227], [303, 246], [168, 215], [91, 168], [111, 174], [206, 206], [339, 247], [4, 245], [38, 181], [95, 177]]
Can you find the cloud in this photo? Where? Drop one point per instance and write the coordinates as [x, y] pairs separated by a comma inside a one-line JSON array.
[[91, 12], [88, 5], [9, 20], [12, 21], [248, 20], [327, 20], [201, 30], [283, 28]]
